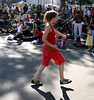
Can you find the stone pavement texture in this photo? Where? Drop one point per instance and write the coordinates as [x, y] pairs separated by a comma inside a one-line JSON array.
[[19, 62]]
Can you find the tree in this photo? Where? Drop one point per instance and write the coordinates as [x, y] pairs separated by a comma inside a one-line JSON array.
[[79, 2], [82, 2]]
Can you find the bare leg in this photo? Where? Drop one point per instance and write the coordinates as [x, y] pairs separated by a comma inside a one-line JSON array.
[[40, 69], [61, 71]]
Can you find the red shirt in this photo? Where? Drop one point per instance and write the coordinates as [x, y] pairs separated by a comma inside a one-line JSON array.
[[92, 13], [40, 33], [75, 12], [27, 18], [51, 39]]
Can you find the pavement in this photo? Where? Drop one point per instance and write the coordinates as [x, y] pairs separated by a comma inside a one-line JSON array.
[[20, 60]]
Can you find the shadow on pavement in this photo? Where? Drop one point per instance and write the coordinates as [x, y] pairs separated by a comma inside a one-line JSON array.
[[64, 91], [46, 95], [19, 42]]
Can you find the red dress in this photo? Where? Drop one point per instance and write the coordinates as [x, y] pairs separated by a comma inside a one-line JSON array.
[[50, 53]]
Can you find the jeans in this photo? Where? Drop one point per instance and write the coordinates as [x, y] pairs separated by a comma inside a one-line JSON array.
[[77, 28]]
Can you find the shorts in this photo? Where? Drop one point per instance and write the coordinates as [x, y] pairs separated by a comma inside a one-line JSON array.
[[56, 56]]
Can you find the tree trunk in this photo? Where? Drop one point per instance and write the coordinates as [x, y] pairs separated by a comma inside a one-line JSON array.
[[38, 2], [80, 4], [1, 2], [63, 3], [43, 2]]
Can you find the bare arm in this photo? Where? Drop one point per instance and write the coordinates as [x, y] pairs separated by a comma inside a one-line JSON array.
[[34, 33], [89, 33], [60, 34]]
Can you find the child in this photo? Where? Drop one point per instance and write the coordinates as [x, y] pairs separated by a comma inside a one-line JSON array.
[[89, 41], [50, 50], [60, 41]]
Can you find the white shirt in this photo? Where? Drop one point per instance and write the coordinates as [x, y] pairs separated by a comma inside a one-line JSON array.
[[30, 21], [13, 8], [85, 11], [19, 28], [29, 8], [21, 17], [88, 12]]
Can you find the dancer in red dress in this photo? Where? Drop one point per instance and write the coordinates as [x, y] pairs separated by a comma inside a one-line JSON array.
[[49, 48]]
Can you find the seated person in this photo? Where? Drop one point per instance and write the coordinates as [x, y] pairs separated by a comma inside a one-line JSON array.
[[27, 18], [26, 30], [31, 22], [38, 34], [70, 33], [19, 30], [13, 27], [60, 42]]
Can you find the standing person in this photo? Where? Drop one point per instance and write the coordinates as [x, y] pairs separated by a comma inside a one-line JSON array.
[[89, 40], [39, 9], [67, 11], [25, 8], [29, 9], [78, 25], [33, 9], [49, 49], [89, 14], [48, 8], [74, 12]]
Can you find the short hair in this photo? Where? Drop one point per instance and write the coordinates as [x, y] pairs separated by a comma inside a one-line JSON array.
[[38, 27], [90, 26], [49, 15], [21, 21], [78, 12]]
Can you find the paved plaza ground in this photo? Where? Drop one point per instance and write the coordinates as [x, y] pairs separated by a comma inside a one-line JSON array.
[[19, 62]]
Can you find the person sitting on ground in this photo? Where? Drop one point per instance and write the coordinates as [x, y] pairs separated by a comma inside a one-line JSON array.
[[60, 42], [31, 22], [27, 18], [13, 29], [38, 34], [16, 16], [26, 30], [19, 30]]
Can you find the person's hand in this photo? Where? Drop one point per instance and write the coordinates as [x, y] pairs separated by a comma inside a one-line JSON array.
[[54, 47], [64, 36]]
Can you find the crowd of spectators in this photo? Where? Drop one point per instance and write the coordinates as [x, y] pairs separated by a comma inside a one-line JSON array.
[[28, 19]]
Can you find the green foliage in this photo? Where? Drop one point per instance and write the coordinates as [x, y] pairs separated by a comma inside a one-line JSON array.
[[79, 2], [82, 2]]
